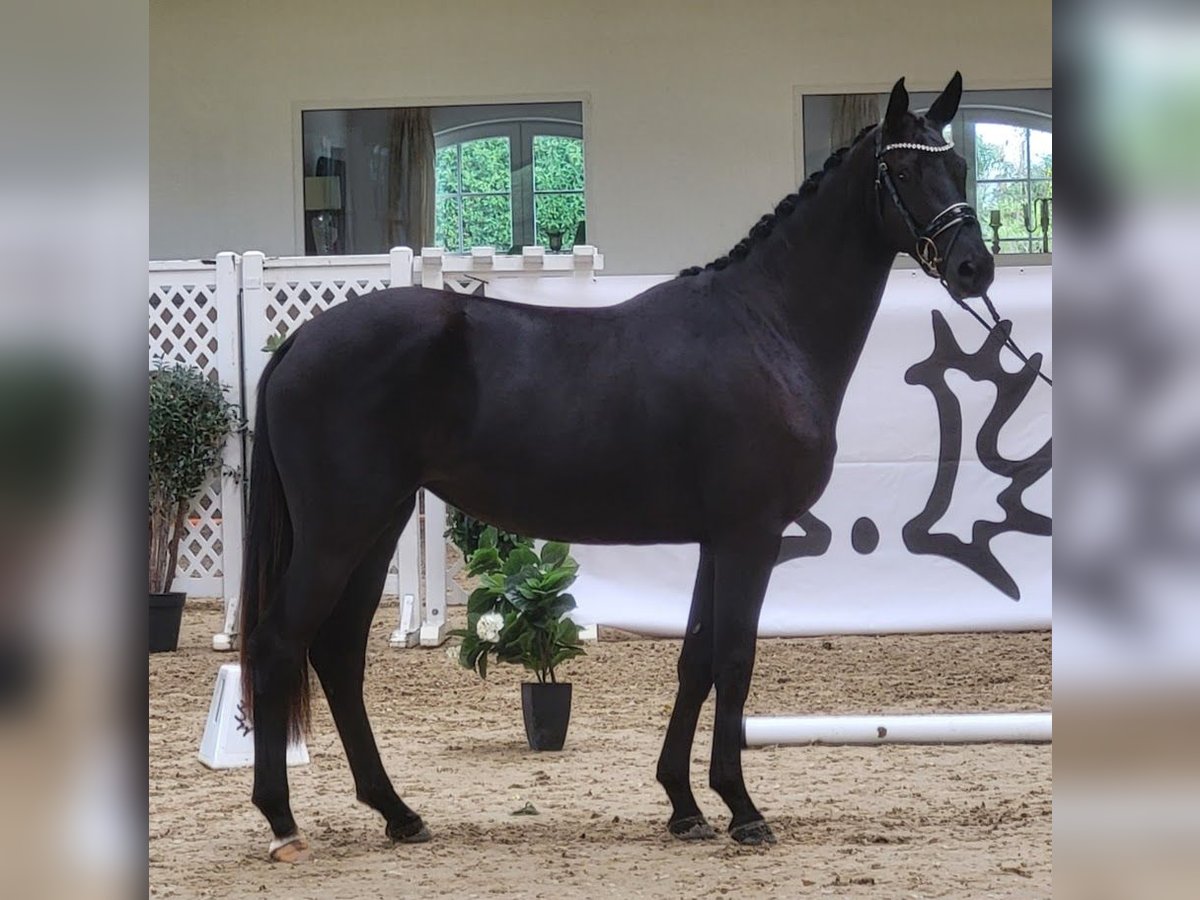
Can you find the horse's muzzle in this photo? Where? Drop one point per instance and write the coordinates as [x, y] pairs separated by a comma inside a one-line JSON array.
[[970, 273]]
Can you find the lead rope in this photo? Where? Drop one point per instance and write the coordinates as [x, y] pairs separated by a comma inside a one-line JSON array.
[[991, 308], [1008, 341], [1011, 344]]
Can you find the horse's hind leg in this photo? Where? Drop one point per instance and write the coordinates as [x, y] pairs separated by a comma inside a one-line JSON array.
[[695, 682], [279, 646], [338, 655], [743, 569]]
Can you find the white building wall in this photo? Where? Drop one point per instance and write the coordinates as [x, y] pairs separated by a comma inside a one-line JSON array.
[[690, 107]]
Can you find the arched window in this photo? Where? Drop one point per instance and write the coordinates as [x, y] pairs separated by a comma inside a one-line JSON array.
[[1006, 137], [508, 184], [1010, 171], [505, 175], [474, 194]]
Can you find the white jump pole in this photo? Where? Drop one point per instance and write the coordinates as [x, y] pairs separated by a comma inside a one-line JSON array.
[[956, 728]]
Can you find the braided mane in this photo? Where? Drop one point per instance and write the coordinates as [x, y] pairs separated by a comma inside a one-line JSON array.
[[764, 226]]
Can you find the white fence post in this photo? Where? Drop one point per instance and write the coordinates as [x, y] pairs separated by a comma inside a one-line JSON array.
[[400, 267], [533, 258], [433, 615], [583, 260], [252, 330], [431, 268], [433, 625], [255, 329], [230, 370], [408, 619], [482, 259]]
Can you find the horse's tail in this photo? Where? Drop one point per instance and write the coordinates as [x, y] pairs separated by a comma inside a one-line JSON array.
[[268, 543]]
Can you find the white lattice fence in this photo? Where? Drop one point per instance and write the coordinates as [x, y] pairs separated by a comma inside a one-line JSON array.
[[196, 318], [193, 320], [298, 294], [281, 293]]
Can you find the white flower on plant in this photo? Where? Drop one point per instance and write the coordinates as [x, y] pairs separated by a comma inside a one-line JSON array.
[[452, 653], [489, 626]]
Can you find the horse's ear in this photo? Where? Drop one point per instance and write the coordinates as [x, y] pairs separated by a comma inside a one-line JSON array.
[[945, 107], [897, 107]]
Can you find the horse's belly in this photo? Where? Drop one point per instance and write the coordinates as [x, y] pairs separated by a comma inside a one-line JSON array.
[[577, 502]]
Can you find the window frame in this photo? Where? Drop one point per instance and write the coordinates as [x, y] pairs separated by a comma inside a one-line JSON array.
[[535, 193], [962, 131], [300, 107], [461, 194], [1000, 97], [520, 132]]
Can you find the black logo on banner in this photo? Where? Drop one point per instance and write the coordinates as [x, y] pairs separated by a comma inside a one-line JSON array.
[[815, 541], [976, 555], [1011, 390]]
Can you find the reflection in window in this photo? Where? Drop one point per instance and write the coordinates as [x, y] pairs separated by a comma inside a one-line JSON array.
[[1005, 136], [522, 184], [1013, 186], [498, 175], [557, 189], [474, 195], [487, 198]]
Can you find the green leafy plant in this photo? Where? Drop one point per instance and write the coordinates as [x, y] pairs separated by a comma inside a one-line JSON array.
[[465, 531], [518, 613], [190, 420], [274, 342]]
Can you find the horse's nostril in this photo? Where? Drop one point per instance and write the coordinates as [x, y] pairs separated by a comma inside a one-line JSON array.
[[967, 269]]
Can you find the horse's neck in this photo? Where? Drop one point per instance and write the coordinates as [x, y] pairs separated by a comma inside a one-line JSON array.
[[829, 265]]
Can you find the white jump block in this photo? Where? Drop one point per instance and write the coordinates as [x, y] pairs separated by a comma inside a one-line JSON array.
[[228, 741], [407, 632], [223, 641], [433, 634]]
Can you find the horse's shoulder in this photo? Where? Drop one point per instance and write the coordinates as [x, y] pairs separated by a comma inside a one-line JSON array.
[[806, 416]]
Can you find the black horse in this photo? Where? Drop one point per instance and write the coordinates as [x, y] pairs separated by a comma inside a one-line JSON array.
[[701, 411]]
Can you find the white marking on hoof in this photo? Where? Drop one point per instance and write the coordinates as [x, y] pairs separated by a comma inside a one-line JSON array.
[[290, 849]]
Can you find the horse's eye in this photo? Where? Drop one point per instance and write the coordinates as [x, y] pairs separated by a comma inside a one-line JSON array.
[[902, 176]]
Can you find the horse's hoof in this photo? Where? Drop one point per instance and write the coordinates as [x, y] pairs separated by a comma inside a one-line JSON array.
[[413, 832], [753, 834], [693, 828], [291, 849]]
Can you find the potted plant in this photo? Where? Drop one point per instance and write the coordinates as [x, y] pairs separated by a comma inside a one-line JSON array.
[[518, 614], [190, 420]]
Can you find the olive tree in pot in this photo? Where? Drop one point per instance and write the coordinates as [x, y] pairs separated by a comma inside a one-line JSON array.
[[190, 419], [518, 614]]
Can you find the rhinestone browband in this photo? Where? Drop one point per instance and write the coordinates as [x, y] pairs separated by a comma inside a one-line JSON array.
[[925, 147]]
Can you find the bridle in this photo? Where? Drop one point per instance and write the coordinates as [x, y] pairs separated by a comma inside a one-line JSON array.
[[953, 216], [925, 248]]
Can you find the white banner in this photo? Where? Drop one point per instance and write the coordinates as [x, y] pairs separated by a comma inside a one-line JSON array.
[[936, 517]]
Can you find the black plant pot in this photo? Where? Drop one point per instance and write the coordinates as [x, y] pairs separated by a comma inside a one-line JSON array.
[[166, 612], [547, 709]]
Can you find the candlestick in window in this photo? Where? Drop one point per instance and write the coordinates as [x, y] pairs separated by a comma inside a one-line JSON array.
[[995, 225], [323, 196], [1044, 221]]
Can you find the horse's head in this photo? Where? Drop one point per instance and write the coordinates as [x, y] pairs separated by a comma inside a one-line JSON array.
[[921, 186]]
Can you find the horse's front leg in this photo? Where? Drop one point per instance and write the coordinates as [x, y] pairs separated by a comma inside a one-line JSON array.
[[695, 681], [743, 569]]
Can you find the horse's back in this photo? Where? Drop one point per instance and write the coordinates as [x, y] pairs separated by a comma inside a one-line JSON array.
[[615, 423]]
